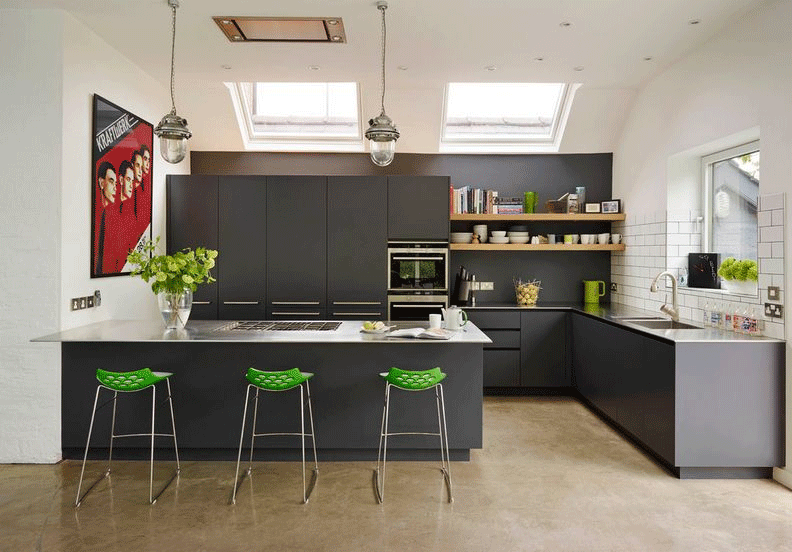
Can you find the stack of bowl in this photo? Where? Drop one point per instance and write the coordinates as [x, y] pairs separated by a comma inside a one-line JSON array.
[[519, 234], [461, 237], [499, 236]]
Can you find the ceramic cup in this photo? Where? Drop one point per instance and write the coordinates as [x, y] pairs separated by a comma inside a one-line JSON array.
[[551, 238], [435, 321], [603, 238], [616, 238], [585, 239], [575, 238], [567, 238], [481, 230]]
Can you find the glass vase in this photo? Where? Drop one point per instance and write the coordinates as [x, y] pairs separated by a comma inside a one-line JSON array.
[[175, 308]]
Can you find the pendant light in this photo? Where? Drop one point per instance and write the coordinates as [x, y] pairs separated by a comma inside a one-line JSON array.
[[172, 130], [382, 134]]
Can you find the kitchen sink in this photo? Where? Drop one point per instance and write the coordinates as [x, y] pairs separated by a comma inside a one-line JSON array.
[[660, 324]]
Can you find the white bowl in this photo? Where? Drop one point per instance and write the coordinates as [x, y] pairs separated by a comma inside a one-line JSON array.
[[498, 233], [518, 239], [461, 234], [519, 234], [495, 239]]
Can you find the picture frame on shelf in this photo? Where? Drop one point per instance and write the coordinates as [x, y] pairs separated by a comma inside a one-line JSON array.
[[592, 208], [612, 206]]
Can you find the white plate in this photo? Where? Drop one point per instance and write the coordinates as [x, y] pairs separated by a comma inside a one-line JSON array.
[[493, 239], [516, 239], [386, 329]]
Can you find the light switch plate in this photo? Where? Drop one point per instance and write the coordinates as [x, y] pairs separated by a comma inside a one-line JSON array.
[[614, 287], [89, 301], [83, 302], [486, 286], [773, 293], [75, 304]]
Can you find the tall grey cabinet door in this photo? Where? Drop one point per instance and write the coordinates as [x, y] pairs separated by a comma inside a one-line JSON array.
[[418, 208], [242, 235], [192, 222], [357, 247], [543, 349], [296, 243]]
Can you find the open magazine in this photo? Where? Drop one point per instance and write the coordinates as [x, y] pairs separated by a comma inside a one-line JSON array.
[[423, 333]]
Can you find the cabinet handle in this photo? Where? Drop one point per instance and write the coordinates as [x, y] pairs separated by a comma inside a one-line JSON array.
[[201, 302], [418, 258], [417, 306], [294, 313], [295, 302], [240, 302], [357, 314], [357, 302]]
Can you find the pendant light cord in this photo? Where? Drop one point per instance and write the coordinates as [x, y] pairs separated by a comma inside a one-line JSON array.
[[173, 60], [382, 102]]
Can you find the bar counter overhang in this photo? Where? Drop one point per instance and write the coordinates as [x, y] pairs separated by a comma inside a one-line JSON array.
[[209, 365]]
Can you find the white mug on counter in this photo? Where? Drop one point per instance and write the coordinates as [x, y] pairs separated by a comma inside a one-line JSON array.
[[434, 321]]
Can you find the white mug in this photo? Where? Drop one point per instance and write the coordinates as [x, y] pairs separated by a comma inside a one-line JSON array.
[[604, 237], [434, 321], [616, 238], [575, 238], [551, 238], [455, 318]]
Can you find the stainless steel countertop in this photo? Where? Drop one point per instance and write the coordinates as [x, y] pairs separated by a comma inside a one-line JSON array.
[[615, 314], [205, 331]]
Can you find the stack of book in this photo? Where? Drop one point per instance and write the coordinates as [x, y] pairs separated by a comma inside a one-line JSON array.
[[467, 200], [509, 206]]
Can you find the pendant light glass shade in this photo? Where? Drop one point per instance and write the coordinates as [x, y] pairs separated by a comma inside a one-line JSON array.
[[382, 133], [172, 130]]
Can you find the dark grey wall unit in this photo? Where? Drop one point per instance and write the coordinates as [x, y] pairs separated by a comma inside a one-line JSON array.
[[357, 241], [242, 227], [418, 208], [544, 349], [192, 222], [296, 247]]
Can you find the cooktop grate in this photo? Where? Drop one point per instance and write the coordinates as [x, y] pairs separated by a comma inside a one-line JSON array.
[[260, 326]]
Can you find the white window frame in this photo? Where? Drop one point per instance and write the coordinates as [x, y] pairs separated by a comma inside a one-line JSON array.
[[254, 142], [707, 163], [510, 145]]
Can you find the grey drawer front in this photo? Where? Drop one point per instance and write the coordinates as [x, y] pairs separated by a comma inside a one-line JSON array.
[[495, 320], [503, 339], [501, 368]]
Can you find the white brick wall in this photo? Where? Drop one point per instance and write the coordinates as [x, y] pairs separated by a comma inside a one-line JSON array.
[[659, 240]]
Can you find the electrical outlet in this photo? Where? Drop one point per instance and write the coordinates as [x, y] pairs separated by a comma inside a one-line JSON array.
[[614, 287], [773, 293], [75, 304], [89, 301], [83, 302], [774, 311]]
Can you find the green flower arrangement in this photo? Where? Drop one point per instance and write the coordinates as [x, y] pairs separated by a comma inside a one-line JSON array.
[[743, 270], [175, 273]]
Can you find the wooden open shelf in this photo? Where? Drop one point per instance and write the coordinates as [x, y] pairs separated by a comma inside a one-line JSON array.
[[538, 217], [534, 247]]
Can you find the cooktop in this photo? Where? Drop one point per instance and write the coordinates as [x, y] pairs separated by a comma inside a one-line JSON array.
[[262, 326]]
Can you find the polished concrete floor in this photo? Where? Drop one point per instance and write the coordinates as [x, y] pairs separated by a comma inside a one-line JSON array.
[[551, 476]]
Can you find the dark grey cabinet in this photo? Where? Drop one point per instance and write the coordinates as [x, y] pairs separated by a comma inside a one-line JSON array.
[[192, 222], [296, 245], [357, 242], [543, 349], [242, 290], [502, 356], [418, 208], [636, 389]]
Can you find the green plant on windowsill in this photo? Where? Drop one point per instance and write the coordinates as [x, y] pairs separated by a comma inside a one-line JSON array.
[[743, 270], [176, 273]]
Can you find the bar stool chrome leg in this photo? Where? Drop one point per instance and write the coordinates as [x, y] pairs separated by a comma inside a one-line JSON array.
[[79, 498], [315, 471], [382, 450], [237, 480], [443, 430]]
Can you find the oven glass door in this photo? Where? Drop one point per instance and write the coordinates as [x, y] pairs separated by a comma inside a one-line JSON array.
[[418, 269], [407, 310]]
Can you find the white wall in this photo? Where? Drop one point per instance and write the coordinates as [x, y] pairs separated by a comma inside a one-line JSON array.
[[739, 80], [45, 150]]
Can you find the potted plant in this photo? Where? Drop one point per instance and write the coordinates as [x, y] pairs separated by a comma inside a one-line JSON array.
[[173, 278], [739, 276]]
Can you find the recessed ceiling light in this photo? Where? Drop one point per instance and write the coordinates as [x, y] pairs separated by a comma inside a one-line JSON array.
[[648, 58], [314, 67], [402, 68], [491, 67], [237, 37], [332, 22], [694, 21], [538, 59], [578, 68], [335, 38], [226, 67], [565, 24], [281, 29], [226, 21]]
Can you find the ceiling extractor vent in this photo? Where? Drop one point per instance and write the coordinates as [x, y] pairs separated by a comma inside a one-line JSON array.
[[282, 29]]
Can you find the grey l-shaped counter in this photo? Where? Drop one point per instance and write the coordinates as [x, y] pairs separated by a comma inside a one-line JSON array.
[[704, 402]]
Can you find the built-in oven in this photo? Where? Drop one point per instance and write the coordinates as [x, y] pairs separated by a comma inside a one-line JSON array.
[[418, 267], [415, 307]]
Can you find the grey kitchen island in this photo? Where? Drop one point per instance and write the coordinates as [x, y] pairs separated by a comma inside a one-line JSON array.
[[209, 361]]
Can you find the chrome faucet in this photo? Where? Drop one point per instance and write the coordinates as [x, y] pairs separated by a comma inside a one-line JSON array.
[[672, 311]]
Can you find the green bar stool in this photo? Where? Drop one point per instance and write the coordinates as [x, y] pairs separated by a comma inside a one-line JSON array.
[[276, 382], [130, 382], [407, 380]]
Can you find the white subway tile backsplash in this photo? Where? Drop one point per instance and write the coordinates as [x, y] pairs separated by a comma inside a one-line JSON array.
[[772, 201], [771, 266], [765, 218], [777, 250], [778, 217], [771, 234], [764, 250]]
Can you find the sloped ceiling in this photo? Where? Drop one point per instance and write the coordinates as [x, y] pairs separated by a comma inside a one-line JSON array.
[[437, 41]]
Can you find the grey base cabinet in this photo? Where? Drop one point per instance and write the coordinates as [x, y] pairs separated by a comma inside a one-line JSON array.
[[706, 409]]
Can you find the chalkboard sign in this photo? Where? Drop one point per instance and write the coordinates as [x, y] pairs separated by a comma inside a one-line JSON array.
[[703, 270]]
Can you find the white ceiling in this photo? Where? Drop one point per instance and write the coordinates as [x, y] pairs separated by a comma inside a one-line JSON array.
[[439, 41]]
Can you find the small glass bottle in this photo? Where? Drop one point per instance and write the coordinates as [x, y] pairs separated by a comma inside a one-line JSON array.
[[746, 320], [706, 318], [728, 312], [715, 316], [737, 319]]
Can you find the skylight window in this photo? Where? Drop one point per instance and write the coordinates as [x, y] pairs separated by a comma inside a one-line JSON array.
[[305, 116], [505, 117]]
